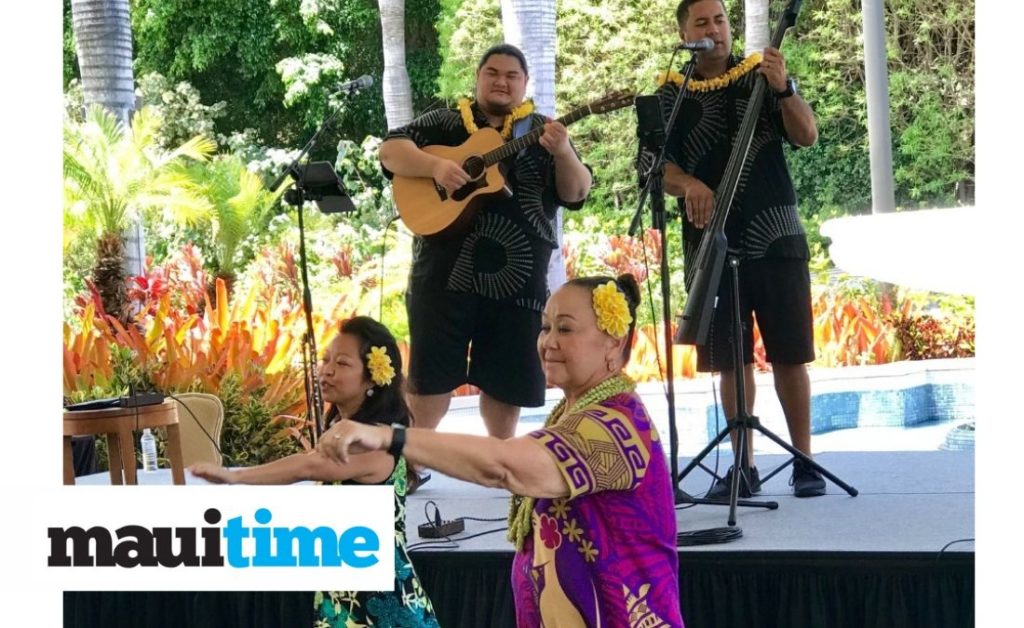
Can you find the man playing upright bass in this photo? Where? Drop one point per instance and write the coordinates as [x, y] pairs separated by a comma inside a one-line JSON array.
[[763, 226]]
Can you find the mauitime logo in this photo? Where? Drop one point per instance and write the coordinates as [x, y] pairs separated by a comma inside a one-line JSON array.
[[219, 538], [139, 546]]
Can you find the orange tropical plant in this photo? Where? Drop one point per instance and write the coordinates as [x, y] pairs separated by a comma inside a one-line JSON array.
[[851, 330], [647, 357], [185, 337], [256, 341]]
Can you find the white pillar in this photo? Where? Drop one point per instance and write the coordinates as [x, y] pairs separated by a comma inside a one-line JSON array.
[[539, 46], [876, 85]]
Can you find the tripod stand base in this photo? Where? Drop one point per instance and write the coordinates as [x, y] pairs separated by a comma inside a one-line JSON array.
[[743, 423], [808, 461], [682, 497]]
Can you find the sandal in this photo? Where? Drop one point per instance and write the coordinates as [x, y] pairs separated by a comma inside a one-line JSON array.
[[416, 480]]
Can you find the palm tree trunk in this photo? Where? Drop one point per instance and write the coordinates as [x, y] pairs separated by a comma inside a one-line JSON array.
[[530, 25], [396, 88], [103, 40], [757, 33], [109, 277]]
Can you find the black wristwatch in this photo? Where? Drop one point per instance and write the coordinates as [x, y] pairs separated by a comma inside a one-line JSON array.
[[789, 91], [397, 439]]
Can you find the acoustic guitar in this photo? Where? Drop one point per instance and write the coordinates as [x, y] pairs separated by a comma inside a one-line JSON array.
[[425, 206]]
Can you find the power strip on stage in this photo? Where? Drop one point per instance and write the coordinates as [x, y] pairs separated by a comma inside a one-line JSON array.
[[433, 530]]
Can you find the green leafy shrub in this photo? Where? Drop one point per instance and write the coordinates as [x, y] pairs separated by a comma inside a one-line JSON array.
[[253, 433]]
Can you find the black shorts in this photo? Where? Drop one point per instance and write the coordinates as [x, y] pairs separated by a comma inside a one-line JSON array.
[[778, 293], [458, 338]]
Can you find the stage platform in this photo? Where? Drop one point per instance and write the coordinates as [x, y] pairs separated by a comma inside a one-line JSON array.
[[895, 555]]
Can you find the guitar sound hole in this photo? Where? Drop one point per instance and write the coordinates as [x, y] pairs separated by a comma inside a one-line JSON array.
[[474, 167]]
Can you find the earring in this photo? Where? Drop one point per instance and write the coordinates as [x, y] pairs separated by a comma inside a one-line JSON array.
[[369, 392]]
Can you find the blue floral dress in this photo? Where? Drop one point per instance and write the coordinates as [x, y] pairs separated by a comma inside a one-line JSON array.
[[406, 607]]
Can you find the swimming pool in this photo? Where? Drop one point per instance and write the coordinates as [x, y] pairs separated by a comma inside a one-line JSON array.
[[915, 406]]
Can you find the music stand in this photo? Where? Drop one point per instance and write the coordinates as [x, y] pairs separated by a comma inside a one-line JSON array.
[[318, 182]]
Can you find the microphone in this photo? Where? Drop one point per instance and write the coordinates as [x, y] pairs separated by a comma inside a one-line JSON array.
[[697, 46], [362, 82]]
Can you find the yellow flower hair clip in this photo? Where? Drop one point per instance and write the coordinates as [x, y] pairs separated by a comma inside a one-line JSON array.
[[379, 364], [612, 310]]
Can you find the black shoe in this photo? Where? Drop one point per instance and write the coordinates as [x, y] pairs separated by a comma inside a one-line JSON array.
[[806, 481], [721, 488]]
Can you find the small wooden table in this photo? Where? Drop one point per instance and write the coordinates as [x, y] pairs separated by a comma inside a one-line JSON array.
[[117, 424]]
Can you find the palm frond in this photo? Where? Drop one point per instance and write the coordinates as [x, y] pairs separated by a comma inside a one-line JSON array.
[[102, 123], [200, 148], [178, 203], [145, 129]]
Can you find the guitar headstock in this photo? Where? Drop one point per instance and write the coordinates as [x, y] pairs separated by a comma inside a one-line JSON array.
[[612, 101]]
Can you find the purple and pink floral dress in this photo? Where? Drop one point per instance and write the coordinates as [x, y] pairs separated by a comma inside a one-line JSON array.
[[606, 555]]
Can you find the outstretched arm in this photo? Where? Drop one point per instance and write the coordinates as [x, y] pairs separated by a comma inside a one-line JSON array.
[[519, 465], [313, 465]]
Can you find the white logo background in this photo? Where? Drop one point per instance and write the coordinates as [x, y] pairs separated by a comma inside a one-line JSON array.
[[309, 506]]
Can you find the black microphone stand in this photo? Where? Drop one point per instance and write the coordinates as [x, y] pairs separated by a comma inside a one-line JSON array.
[[297, 198], [652, 135], [743, 423]]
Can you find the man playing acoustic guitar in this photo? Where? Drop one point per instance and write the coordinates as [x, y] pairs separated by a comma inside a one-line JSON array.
[[475, 294]]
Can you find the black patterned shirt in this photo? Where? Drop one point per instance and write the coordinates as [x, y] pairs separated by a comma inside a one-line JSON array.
[[505, 253], [763, 221]]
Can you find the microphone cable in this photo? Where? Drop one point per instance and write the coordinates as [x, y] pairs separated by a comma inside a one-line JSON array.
[[951, 543], [448, 542], [383, 251], [708, 536]]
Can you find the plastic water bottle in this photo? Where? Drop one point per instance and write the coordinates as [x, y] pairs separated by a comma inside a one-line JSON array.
[[148, 451]]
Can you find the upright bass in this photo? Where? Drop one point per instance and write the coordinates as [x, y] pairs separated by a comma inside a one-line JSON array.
[[702, 288]]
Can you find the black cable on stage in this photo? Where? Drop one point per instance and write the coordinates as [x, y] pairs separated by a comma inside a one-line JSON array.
[[450, 542], [708, 536], [946, 546]]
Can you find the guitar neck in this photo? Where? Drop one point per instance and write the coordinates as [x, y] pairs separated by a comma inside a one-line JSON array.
[[511, 148]]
